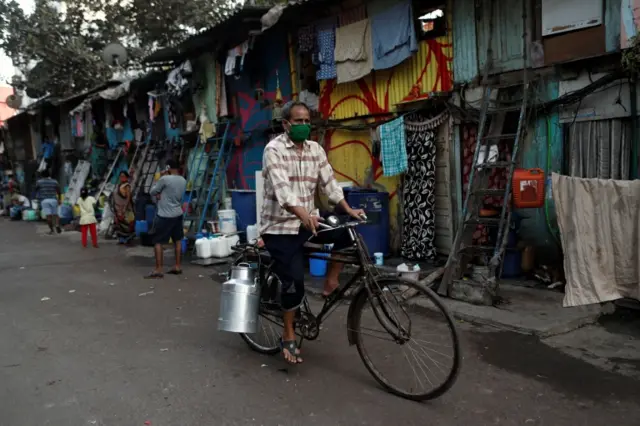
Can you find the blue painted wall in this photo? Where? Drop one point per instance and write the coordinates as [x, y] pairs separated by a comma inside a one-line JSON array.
[[269, 54], [543, 149], [465, 51]]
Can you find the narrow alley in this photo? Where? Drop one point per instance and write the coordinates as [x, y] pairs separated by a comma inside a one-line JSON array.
[[87, 341]]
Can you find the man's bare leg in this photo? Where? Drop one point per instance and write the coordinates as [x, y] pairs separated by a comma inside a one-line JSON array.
[[333, 278], [288, 334], [179, 256], [159, 260]]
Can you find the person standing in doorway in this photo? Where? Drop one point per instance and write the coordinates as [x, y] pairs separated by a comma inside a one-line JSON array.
[[88, 219], [169, 191], [48, 192]]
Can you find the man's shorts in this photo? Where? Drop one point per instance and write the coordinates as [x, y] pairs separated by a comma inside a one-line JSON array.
[[49, 207], [166, 228]]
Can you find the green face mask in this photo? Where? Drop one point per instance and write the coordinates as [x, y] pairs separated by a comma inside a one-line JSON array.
[[300, 132]]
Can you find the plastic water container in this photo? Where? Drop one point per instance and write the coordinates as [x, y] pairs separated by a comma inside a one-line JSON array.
[[150, 213], [318, 267], [184, 245], [528, 188], [227, 220], [512, 264], [409, 271], [252, 234], [378, 258], [35, 204], [142, 227], [203, 248], [219, 247], [244, 203]]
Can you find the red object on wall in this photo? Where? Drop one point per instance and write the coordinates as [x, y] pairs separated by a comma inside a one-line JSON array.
[[528, 188]]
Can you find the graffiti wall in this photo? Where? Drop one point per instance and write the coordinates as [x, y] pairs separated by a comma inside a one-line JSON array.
[[266, 67], [427, 72]]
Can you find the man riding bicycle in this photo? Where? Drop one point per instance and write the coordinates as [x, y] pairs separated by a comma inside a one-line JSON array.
[[294, 168]]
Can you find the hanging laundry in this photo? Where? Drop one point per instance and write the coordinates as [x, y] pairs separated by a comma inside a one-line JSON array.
[[353, 54], [393, 33], [235, 59], [306, 39], [326, 39], [393, 147], [223, 108]]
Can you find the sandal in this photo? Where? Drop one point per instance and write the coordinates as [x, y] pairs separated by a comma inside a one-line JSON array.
[[292, 347], [175, 271], [154, 276]]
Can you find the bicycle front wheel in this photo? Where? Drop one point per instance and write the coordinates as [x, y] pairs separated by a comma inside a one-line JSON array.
[[406, 339]]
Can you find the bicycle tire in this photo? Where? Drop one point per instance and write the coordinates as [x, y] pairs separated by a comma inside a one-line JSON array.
[[362, 301], [248, 339]]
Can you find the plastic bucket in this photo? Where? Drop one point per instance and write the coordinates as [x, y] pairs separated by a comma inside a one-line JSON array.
[[227, 221], [141, 227], [512, 264], [318, 267], [185, 245]]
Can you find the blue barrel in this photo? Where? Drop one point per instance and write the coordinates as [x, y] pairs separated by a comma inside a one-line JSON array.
[[243, 201], [512, 264], [142, 227], [376, 205], [150, 214]]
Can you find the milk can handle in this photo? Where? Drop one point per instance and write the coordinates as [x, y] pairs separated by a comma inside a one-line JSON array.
[[244, 264]]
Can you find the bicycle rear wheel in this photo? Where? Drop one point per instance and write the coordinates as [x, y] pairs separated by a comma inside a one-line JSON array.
[[433, 361]]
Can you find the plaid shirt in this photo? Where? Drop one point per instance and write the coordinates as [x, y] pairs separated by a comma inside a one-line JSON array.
[[290, 180]]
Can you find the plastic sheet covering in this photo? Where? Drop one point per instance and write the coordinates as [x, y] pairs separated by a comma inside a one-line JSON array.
[[600, 149], [599, 223]]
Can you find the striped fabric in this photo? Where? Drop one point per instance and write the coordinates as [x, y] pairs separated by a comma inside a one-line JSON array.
[[290, 180], [47, 188]]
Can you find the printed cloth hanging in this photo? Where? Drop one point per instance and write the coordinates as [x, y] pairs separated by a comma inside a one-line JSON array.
[[235, 59], [393, 33], [393, 147], [419, 193], [353, 54], [326, 39]]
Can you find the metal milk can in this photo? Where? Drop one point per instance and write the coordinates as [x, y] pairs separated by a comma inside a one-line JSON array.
[[240, 301]]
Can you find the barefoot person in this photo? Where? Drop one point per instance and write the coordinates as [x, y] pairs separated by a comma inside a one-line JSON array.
[[293, 168], [168, 190], [48, 192]]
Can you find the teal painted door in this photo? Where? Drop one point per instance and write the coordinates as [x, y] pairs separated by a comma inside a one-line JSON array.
[[508, 29]]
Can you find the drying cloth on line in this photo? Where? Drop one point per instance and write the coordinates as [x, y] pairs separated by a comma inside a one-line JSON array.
[[393, 142], [326, 39], [393, 34], [235, 59], [599, 223], [306, 39], [353, 54]]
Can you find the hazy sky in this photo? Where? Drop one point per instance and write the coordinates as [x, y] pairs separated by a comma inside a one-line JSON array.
[[6, 68]]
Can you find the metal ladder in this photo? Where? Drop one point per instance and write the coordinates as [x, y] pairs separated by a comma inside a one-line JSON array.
[[147, 167], [490, 132], [209, 191], [106, 187]]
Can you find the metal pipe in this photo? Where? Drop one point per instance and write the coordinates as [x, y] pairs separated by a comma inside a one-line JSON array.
[[633, 93]]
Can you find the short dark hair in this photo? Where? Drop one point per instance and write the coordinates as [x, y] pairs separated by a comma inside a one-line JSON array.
[[173, 164], [289, 106], [124, 172], [45, 173]]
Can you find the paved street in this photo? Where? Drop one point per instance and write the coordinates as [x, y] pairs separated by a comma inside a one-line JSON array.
[[109, 348]]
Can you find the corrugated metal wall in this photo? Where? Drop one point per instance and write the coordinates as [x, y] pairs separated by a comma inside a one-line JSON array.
[[465, 51], [429, 69], [508, 29], [600, 149]]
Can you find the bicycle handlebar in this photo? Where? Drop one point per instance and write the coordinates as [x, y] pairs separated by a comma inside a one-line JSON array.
[[325, 226]]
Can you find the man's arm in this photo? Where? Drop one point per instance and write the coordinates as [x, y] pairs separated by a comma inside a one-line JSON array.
[[157, 187]]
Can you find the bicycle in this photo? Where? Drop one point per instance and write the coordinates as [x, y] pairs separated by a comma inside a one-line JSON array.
[[370, 289]]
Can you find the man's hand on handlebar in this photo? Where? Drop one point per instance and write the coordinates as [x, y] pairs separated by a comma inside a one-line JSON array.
[[311, 223], [358, 214]]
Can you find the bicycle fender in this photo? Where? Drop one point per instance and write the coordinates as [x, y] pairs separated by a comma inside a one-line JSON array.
[[359, 298]]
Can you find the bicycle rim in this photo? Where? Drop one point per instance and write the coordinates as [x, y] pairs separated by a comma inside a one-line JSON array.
[[267, 339], [424, 356]]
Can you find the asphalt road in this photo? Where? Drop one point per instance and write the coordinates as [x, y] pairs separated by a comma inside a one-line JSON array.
[[84, 340]]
